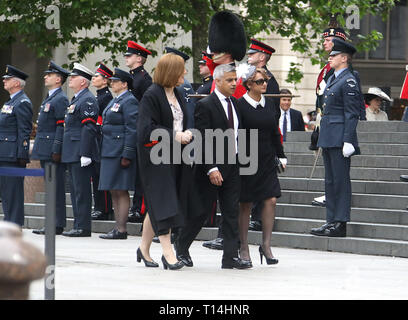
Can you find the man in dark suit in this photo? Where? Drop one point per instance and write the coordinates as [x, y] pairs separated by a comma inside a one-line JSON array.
[[217, 111], [80, 148], [290, 119], [48, 141], [15, 128], [338, 138]]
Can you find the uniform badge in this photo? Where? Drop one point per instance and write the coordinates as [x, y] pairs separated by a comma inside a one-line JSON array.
[[71, 108], [25, 143], [47, 108], [7, 109], [115, 107]]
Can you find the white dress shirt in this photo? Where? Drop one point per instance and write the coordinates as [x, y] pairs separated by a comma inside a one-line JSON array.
[[289, 125]]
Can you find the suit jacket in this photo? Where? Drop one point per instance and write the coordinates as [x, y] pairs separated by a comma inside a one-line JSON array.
[[296, 120], [119, 127], [210, 114], [80, 133], [273, 87], [15, 128], [341, 106], [50, 129]]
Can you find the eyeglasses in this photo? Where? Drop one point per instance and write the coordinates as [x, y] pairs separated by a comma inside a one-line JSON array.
[[260, 81]]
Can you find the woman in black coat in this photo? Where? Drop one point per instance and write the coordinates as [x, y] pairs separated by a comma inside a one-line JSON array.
[[259, 113], [164, 184]]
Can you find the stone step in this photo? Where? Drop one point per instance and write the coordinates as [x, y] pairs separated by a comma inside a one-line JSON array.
[[367, 215], [358, 186], [354, 229], [357, 173], [366, 161], [358, 200], [382, 126], [363, 137], [355, 245], [381, 149]]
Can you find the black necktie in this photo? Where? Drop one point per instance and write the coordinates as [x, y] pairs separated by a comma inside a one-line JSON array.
[[284, 126], [230, 114]]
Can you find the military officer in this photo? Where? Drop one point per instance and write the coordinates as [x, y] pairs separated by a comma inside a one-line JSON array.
[[135, 57], [15, 129], [338, 138], [80, 148], [205, 72], [102, 199], [48, 141]]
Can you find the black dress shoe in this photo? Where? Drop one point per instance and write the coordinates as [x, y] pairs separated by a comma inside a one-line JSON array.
[[77, 233], [98, 215], [216, 244], [334, 229], [58, 231], [114, 234], [255, 225], [175, 266], [185, 258], [404, 178], [135, 217], [140, 257], [235, 263]]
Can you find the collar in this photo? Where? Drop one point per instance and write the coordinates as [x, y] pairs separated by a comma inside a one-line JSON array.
[[337, 73], [124, 92], [220, 95], [103, 90], [206, 79], [52, 91], [14, 94], [136, 70], [283, 111], [254, 103], [373, 111], [79, 92]]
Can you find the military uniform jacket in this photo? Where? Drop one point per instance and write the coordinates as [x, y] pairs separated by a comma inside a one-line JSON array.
[[141, 82], [15, 128], [341, 106], [205, 88], [119, 127], [80, 128], [184, 90], [50, 131]]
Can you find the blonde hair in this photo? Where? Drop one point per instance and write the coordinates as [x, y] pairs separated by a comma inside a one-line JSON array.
[[168, 70]]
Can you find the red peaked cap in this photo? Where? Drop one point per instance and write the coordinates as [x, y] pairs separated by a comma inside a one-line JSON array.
[[258, 46], [134, 48], [104, 71]]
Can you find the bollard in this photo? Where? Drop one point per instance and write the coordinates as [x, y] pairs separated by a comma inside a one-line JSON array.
[[20, 263]]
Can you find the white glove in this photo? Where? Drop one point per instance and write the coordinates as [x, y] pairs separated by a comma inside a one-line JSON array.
[[85, 161], [284, 161], [348, 149]]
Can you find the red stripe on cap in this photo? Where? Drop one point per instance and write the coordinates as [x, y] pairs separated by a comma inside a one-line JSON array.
[[134, 45], [255, 47], [104, 72], [151, 144], [88, 120], [60, 122]]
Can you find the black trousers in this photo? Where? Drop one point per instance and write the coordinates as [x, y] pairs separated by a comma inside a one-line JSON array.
[[138, 194], [102, 198], [228, 196]]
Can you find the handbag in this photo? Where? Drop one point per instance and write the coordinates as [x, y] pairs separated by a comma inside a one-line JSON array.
[[279, 165]]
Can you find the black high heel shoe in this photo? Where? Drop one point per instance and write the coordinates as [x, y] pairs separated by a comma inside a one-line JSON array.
[[149, 264], [268, 260], [175, 266]]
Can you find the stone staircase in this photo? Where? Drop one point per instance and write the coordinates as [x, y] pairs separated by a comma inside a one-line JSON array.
[[379, 219]]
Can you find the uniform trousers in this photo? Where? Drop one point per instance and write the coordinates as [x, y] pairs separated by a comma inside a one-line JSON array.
[[102, 198], [138, 193], [228, 196], [337, 185], [81, 194], [12, 196], [60, 193]]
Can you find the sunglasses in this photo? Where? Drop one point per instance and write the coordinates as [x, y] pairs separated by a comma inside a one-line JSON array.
[[260, 81]]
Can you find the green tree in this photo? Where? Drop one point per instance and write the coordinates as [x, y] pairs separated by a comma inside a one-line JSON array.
[[148, 21]]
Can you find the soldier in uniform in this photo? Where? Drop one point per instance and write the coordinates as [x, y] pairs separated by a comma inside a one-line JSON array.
[[135, 58], [338, 138], [102, 199], [48, 141], [80, 148], [205, 72], [118, 154], [15, 129]]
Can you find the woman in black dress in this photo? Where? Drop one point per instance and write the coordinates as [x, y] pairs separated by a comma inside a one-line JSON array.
[[258, 113], [163, 184]]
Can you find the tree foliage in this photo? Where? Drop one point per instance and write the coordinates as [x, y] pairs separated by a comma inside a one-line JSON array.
[[114, 22]]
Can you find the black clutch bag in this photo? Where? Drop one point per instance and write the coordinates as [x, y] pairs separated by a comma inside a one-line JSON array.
[[279, 166]]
